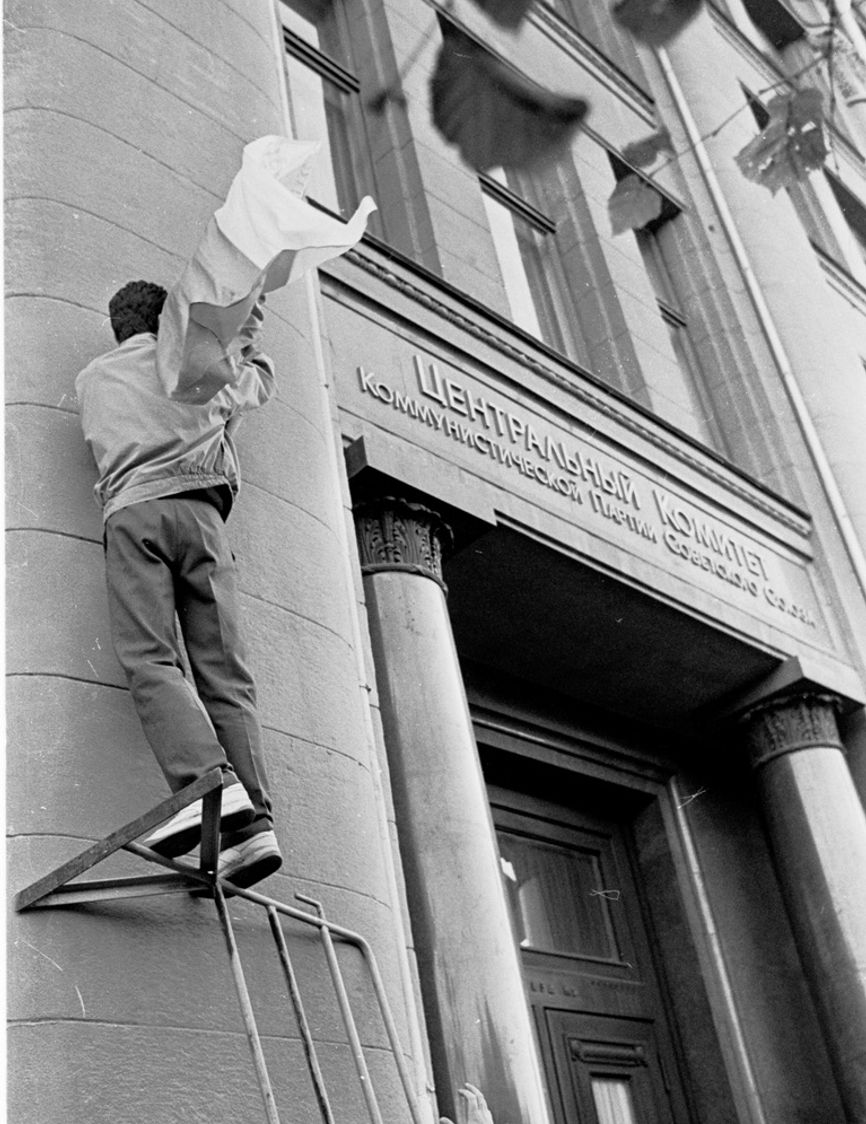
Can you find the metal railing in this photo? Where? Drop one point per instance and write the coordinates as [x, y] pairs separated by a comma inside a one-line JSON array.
[[63, 886]]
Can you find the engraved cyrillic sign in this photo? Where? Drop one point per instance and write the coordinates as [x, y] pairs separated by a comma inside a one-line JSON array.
[[576, 474]]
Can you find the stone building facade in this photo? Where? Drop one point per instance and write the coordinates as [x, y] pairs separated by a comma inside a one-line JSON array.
[[552, 559]]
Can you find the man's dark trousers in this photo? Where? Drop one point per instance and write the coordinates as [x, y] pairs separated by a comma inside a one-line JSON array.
[[167, 556]]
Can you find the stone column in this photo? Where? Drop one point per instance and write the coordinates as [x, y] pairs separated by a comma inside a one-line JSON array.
[[471, 978], [817, 832]]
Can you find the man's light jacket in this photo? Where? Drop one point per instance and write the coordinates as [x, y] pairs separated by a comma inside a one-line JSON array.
[[147, 445]]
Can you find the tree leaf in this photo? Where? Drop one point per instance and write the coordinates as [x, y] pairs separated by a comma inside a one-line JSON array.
[[655, 22], [633, 204], [641, 153], [494, 114], [791, 145]]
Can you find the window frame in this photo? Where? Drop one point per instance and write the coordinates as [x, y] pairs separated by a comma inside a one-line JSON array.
[[335, 73], [661, 279], [853, 211], [805, 199], [618, 49], [549, 305]]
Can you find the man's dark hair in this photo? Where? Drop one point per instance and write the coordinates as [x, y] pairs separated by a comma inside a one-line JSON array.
[[135, 308]]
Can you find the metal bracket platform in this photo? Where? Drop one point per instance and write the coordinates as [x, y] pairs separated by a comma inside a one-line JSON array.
[[58, 887], [63, 886]]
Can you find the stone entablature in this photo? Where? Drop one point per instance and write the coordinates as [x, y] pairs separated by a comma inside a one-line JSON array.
[[478, 405]]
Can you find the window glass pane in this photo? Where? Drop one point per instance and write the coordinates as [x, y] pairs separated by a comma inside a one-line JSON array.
[[595, 23], [679, 337], [812, 218], [303, 22], [514, 276], [655, 265], [526, 260], [853, 211], [775, 20], [661, 278], [613, 1101], [558, 898], [314, 22], [322, 109], [317, 113], [537, 251]]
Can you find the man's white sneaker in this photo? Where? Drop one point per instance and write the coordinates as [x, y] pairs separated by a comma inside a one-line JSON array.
[[251, 860], [182, 832]]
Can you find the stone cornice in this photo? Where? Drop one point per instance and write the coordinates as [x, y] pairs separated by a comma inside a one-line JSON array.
[[601, 399]]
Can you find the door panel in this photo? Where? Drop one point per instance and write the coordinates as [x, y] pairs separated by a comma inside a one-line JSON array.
[[587, 961], [614, 1071]]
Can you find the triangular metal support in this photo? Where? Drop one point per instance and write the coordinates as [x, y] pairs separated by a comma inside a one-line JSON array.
[[58, 887], [62, 887]]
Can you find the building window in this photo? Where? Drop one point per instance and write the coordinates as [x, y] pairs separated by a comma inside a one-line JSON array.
[[655, 256], [662, 283], [776, 20], [593, 22], [550, 893], [324, 103], [662, 265], [803, 198], [853, 211], [532, 273], [785, 31], [810, 210]]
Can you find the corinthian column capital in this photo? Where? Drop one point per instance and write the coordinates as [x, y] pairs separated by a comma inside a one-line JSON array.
[[787, 723], [394, 534]]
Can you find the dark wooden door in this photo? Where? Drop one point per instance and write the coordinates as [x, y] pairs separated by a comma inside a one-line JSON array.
[[596, 998]]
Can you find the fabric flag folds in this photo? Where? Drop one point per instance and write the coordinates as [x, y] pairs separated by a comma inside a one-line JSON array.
[[263, 237]]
